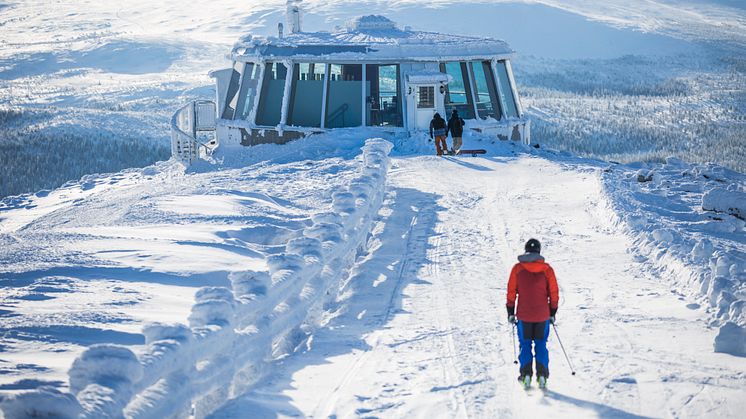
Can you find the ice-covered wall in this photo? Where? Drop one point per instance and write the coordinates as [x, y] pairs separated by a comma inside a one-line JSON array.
[[189, 369]]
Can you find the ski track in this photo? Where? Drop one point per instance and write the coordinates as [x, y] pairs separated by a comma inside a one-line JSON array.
[[434, 342]]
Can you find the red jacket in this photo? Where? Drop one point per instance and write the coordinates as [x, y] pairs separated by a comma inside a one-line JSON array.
[[533, 282]]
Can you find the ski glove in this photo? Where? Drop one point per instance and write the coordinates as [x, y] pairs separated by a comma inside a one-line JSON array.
[[511, 319], [551, 319]]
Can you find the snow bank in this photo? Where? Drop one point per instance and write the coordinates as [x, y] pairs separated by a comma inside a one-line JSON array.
[[189, 370], [728, 201], [44, 402], [670, 220]]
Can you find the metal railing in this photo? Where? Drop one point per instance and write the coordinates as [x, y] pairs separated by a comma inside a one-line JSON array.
[[192, 118], [339, 112]]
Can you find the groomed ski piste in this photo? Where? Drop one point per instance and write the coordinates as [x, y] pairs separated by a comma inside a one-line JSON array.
[[350, 276]]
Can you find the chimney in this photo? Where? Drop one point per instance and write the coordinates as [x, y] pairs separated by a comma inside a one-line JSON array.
[[294, 15]]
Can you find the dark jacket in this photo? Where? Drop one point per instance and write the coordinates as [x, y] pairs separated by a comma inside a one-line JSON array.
[[438, 126], [455, 126], [533, 282]]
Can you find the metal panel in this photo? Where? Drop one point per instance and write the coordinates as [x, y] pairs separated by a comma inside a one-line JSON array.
[[324, 94]]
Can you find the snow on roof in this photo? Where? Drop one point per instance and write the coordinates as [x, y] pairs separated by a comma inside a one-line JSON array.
[[429, 77], [371, 38]]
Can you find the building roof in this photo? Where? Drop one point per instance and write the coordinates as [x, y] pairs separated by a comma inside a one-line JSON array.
[[370, 38]]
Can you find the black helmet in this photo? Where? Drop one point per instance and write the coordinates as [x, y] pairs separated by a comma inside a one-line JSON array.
[[533, 246], [454, 112]]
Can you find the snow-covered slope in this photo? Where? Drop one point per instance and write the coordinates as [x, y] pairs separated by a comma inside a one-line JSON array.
[[91, 263], [304, 279], [441, 347], [400, 315]]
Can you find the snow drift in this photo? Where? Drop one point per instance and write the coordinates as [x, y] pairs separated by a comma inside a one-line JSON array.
[[688, 221], [231, 332]]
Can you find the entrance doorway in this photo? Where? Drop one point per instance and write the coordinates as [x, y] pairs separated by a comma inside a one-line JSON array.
[[424, 105]]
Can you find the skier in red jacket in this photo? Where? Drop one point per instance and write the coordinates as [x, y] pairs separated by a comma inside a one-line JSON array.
[[533, 282]]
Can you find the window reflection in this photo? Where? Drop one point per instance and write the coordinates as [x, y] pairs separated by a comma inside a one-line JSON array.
[[269, 111], [344, 103], [248, 91], [486, 93], [506, 92], [382, 89], [306, 95], [458, 91]]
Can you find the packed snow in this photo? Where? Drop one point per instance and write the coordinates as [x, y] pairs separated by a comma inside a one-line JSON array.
[[348, 275], [375, 291]]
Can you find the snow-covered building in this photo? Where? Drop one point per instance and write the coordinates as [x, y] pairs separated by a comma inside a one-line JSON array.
[[368, 74]]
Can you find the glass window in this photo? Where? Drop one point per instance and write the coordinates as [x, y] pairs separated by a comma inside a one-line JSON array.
[[458, 91], [269, 111], [382, 90], [248, 91], [426, 97], [486, 94], [505, 90], [231, 97], [306, 95], [344, 101]]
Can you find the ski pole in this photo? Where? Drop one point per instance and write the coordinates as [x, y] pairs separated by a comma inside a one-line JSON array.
[[563, 349], [515, 356]]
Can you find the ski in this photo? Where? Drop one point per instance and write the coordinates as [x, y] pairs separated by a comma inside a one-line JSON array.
[[472, 152]]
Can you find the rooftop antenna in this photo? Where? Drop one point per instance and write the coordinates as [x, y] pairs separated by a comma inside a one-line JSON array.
[[294, 15]]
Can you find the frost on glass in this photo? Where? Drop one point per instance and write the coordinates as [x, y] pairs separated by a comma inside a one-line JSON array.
[[269, 111], [247, 91], [231, 97], [306, 95], [344, 102]]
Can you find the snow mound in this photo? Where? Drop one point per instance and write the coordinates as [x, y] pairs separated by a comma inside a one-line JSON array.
[[215, 306], [731, 340], [105, 364], [163, 331], [726, 201], [44, 402], [371, 23], [249, 283]]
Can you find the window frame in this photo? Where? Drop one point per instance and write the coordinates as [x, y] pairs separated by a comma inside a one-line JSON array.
[[261, 110], [492, 92], [468, 90]]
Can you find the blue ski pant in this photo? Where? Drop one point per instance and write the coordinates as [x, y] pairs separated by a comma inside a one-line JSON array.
[[536, 335]]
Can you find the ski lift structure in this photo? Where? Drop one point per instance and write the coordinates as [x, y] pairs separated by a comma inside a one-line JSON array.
[[370, 73]]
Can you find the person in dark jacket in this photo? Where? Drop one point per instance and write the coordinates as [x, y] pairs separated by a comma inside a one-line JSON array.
[[456, 128], [438, 131], [533, 282]]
